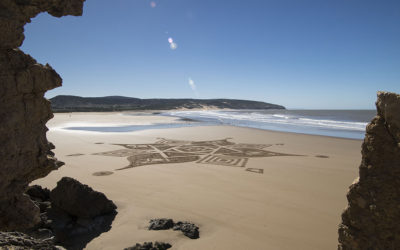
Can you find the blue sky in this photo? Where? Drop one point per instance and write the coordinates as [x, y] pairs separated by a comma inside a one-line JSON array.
[[316, 54]]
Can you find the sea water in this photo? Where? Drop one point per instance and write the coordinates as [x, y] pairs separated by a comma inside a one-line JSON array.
[[337, 123]]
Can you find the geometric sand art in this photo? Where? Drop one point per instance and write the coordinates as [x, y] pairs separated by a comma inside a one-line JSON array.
[[77, 154], [255, 170], [224, 160], [218, 152], [102, 173]]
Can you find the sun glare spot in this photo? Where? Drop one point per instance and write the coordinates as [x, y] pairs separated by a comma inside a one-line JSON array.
[[172, 45], [191, 84]]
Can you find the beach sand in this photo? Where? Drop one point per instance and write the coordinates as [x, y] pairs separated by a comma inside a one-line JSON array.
[[291, 198]]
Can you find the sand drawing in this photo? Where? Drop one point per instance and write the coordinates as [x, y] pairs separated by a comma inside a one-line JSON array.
[[224, 160], [78, 154], [322, 156], [102, 173], [255, 170], [218, 152]]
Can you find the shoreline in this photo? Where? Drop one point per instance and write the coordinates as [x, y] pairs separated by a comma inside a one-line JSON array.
[[201, 126], [155, 119]]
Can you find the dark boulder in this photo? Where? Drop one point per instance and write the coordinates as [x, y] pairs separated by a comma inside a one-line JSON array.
[[80, 200], [78, 214], [63, 214]]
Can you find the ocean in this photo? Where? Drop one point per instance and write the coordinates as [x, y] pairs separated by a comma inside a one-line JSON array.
[[337, 123]]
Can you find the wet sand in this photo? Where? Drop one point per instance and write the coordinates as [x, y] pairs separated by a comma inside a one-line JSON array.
[[245, 188]]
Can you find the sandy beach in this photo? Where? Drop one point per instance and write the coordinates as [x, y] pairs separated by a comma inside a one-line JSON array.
[[285, 190]]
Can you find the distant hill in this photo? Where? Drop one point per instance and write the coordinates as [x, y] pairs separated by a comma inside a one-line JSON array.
[[67, 103]]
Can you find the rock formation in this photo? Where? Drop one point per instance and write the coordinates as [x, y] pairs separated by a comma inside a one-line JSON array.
[[20, 241], [25, 153], [80, 200], [72, 214], [371, 220]]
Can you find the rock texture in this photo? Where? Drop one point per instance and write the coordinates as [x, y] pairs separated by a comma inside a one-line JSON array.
[[25, 153], [20, 241], [161, 224], [63, 215], [371, 220], [188, 229], [80, 200], [150, 246], [37, 193]]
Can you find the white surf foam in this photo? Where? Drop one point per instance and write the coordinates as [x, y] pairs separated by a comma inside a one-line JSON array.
[[258, 118]]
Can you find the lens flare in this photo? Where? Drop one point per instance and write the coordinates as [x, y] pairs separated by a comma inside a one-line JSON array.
[[173, 46], [193, 87], [191, 84]]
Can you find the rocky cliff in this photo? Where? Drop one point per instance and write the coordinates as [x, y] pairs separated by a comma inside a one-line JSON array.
[[25, 153], [371, 220]]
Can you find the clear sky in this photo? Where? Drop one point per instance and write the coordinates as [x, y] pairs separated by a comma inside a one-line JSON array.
[[314, 54]]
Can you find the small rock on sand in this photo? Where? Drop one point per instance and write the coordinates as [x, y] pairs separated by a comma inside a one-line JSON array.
[[188, 229]]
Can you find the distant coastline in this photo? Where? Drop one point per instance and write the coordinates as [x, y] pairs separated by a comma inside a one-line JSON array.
[[66, 103]]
